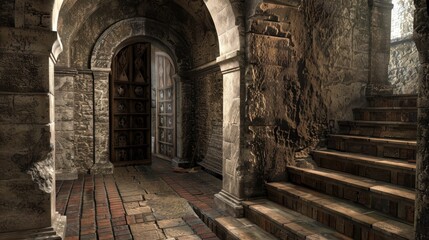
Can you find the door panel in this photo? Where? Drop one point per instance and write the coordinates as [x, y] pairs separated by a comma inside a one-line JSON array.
[[166, 126], [130, 100]]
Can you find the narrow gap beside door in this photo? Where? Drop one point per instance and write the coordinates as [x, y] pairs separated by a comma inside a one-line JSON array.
[[130, 106]]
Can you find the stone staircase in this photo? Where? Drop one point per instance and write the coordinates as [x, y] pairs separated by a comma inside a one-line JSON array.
[[362, 187]]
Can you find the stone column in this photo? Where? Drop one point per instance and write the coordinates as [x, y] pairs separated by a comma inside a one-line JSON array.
[[229, 199], [178, 160], [64, 124], [27, 134], [421, 37], [102, 162], [379, 49]]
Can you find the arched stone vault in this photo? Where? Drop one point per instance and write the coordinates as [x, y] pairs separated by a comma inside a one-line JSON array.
[[108, 43]]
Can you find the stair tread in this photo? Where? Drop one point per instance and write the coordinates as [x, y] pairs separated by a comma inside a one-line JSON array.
[[377, 140], [295, 222], [348, 210], [378, 123], [361, 182], [388, 162], [242, 228], [394, 96], [386, 108]]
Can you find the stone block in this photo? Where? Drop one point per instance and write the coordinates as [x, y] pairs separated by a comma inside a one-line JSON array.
[[64, 114], [24, 73], [223, 20], [35, 109], [63, 83], [229, 41], [64, 99], [24, 198], [35, 145], [279, 50]]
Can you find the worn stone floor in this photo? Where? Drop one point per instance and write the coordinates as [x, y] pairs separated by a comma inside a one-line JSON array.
[[139, 202]]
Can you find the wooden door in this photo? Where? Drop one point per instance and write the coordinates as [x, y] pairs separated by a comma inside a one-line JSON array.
[[130, 100]]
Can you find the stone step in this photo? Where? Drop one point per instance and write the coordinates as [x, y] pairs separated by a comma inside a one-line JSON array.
[[393, 114], [400, 130], [380, 147], [240, 229], [390, 199], [382, 169], [347, 218], [403, 100], [285, 224]]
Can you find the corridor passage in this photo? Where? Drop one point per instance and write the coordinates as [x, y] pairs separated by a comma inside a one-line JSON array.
[[139, 202]]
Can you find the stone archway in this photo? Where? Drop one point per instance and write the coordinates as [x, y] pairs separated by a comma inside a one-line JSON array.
[[108, 43], [231, 45]]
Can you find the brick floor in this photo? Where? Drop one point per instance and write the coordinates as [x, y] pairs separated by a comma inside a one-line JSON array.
[[129, 204]]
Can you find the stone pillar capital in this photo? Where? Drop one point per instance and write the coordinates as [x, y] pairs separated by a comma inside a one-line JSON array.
[[230, 62], [101, 71]]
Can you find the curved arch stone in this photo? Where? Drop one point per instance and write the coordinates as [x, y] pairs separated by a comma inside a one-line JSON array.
[[225, 20], [120, 32]]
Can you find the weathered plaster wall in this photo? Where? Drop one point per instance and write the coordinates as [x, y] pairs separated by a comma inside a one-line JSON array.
[[313, 67], [64, 118], [404, 58], [404, 67], [84, 121]]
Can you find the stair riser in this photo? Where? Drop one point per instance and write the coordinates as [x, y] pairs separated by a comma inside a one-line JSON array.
[[269, 226], [341, 224], [393, 116], [403, 152], [399, 177], [392, 102], [391, 131], [394, 207]]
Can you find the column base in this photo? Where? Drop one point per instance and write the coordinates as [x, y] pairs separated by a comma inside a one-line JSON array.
[[102, 168], [229, 203], [179, 162], [66, 175], [55, 232]]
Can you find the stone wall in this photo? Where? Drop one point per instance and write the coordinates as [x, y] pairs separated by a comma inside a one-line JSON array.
[[208, 118], [404, 59], [313, 68], [404, 67], [402, 19]]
